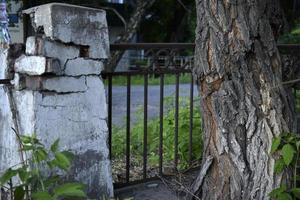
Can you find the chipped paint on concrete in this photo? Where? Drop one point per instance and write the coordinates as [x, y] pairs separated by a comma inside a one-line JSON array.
[[65, 84], [62, 101], [8, 141], [44, 47], [31, 65], [82, 66], [3, 63], [69, 24]]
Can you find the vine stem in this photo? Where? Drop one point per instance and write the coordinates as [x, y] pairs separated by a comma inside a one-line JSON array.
[[295, 169]]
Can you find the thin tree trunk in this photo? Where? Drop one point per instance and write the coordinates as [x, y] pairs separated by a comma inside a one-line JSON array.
[[132, 26], [244, 104]]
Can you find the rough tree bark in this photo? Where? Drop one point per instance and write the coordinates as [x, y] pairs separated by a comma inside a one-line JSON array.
[[244, 104], [132, 26]]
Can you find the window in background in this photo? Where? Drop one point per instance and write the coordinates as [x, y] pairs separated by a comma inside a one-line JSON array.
[[116, 1]]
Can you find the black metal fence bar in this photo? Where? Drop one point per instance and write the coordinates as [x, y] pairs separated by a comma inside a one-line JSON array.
[[128, 129], [143, 72], [176, 122], [5, 81], [191, 120], [109, 120], [143, 46], [161, 118], [145, 126]]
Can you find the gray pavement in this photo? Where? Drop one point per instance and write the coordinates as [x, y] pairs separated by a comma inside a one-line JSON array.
[[119, 96], [155, 190]]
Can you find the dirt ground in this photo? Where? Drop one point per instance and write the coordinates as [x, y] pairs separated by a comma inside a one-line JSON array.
[[173, 188]]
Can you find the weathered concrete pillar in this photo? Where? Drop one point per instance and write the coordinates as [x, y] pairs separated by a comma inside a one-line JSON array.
[[58, 92]]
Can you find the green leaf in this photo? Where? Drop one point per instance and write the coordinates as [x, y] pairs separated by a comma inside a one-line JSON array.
[[276, 192], [296, 192], [62, 161], [287, 153], [298, 145], [275, 144], [69, 155], [70, 190], [290, 139], [19, 193], [40, 154], [52, 181], [25, 139], [7, 176], [284, 196], [54, 146], [42, 196], [23, 174], [27, 147], [279, 166]]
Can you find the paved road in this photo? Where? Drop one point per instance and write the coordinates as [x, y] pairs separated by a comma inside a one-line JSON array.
[[137, 99], [154, 190]]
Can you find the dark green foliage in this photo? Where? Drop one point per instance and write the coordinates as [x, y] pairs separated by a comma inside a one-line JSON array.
[[137, 134], [37, 178], [286, 149], [292, 37]]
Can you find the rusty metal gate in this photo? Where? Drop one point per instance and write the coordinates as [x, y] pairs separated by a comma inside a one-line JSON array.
[[161, 60]]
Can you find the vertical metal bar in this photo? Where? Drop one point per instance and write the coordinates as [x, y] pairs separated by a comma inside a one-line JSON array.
[[294, 9], [145, 124], [128, 129], [110, 114], [11, 189], [161, 117], [176, 122], [191, 120]]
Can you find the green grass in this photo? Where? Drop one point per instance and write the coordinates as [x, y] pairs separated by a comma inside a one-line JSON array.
[[137, 134], [292, 37], [139, 80], [298, 103]]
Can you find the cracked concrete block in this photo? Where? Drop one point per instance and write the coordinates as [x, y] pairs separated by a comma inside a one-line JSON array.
[[57, 84], [65, 84], [48, 48], [3, 63], [81, 66], [73, 24], [36, 65], [79, 120]]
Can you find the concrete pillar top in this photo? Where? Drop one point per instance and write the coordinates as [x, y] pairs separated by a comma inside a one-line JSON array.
[[73, 24]]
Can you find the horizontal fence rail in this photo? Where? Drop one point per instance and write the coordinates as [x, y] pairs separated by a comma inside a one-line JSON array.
[[5, 81], [159, 60]]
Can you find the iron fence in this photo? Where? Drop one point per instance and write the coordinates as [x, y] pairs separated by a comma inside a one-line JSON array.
[[161, 61]]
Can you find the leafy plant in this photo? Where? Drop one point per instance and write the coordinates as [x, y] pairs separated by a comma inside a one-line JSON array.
[[40, 177], [292, 37], [287, 150], [137, 135]]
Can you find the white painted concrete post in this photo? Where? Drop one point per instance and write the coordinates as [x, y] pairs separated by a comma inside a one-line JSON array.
[[58, 92]]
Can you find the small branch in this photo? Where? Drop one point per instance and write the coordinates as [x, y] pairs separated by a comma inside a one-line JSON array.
[[291, 81], [184, 6], [14, 113], [118, 15], [198, 182]]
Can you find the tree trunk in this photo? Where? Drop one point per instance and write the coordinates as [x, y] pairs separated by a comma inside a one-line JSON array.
[[132, 26], [244, 105]]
